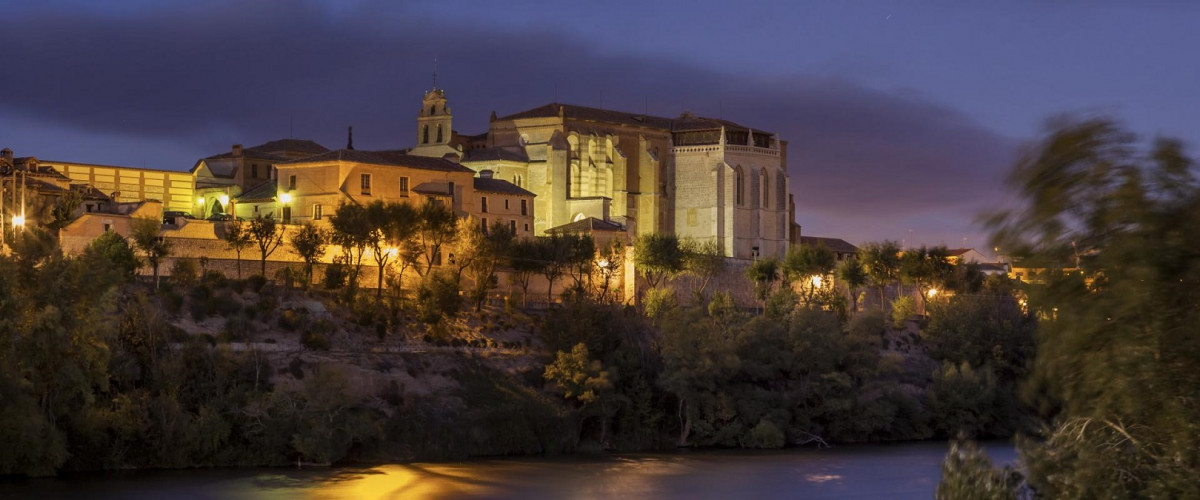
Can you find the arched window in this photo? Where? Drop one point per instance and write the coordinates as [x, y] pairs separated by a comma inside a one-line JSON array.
[[425, 136], [439, 136], [739, 184], [432, 109]]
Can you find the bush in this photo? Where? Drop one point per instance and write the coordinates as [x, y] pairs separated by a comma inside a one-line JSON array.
[[215, 279], [903, 308], [183, 272], [968, 474], [173, 302], [291, 319], [225, 305], [237, 329], [315, 341], [437, 297], [256, 283], [659, 301], [335, 276], [765, 435], [782, 302]]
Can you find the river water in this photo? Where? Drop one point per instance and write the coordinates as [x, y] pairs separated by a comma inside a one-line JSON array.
[[909, 470]]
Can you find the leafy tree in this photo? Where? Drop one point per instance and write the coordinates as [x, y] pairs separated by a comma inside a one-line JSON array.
[[582, 380], [703, 260], [480, 253], [390, 224], [525, 259], [352, 232], [145, 235], [64, 209], [436, 228], [309, 243], [882, 261], [581, 259], [764, 273], [809, 266], [968, 474], [268, 235], [1117, 354], [852, 274], [238, 238], [110, 257], [610, 262], [659, 257], [926, 269], [556, 252]]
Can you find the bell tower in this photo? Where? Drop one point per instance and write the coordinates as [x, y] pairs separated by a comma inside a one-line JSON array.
[[433, 125]]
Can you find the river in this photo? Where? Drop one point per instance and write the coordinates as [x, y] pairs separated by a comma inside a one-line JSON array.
[[908, 470]]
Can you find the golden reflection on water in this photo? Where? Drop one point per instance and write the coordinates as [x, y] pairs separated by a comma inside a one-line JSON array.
[[411, 481]]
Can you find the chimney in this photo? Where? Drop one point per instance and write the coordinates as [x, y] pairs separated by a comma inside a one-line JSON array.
[[237, 150], [7, 154]]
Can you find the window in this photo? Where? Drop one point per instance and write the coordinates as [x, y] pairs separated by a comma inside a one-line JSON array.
[[765, 190], [425, 136], [506, 203], [738, 184], [527, 227], [432, 109], [107, 227], [404, 186], [366, 184], [524, 207], [483, 204], [483, 225], [439, 136], [291, 182], [254, 170], [451, 190], [512, 226], [316, 211]]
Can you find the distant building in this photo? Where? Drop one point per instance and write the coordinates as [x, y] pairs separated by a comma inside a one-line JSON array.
[[842, 249]]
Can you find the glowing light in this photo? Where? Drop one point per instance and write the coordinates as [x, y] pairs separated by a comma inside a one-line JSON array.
[[285, 198], [224, 199], [816, 281], [18, 221], [603, 264], [392, 251], [200, 200], [932, 292]]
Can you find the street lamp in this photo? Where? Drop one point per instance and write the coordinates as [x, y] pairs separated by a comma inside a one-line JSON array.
[[18, 221], [816, 281], [286, 199]]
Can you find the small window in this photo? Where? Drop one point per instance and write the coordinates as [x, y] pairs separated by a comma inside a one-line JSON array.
[[107, 227], [366, 184], [439, 135], [316, 211], [527, 227], [254, 170], [291, 182], [524, 207], [506, 203], [451, 190], [483, 204], [483, 225], [404, 186], [432, 109], [425, 135], [512, 226]]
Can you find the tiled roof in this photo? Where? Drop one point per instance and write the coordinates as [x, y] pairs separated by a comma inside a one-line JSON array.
[[588, 225], [836, 244], [290, 146], [264, 191], [687, 121], [385, 158], [501, 186], [249, 153], [433, 188], [496, 154]]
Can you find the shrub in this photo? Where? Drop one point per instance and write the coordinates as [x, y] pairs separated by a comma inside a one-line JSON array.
[[256, 282], [659, 301], [173, 302], [225, 305], [903, 308], [315, 341], [215, 279], [765, 435], [184, 272], [291, 319], [237, 328], [335, 276], [437, 297]]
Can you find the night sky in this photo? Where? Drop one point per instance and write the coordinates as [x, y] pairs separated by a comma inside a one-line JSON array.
[[902, 118]]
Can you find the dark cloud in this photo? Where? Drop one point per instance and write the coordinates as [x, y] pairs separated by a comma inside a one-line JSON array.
[[207, 76]]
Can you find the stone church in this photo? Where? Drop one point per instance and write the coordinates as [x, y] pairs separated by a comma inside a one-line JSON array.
[[699, 178]]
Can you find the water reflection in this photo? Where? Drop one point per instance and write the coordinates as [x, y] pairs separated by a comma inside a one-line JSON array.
[[880, 471]]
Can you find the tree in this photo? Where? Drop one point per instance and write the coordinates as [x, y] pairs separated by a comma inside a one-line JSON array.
[[525, 259], [238, 238], [268, 235], [926, 269], [352, 232], [583, 380], [1118, 351], [390, 224], [436, 228], [581, 259], [764, 273], [658, 257], [64, 209], [809, 266], [703, 260], [555, 251], [145, 235], [309, 243], [482, 253], [854, 276], [882, 260]]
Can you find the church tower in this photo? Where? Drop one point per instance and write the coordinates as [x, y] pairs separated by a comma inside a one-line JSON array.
[[433, 126]]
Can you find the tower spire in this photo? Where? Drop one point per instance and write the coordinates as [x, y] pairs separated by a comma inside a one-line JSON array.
[[350, 137], [435, 72]]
